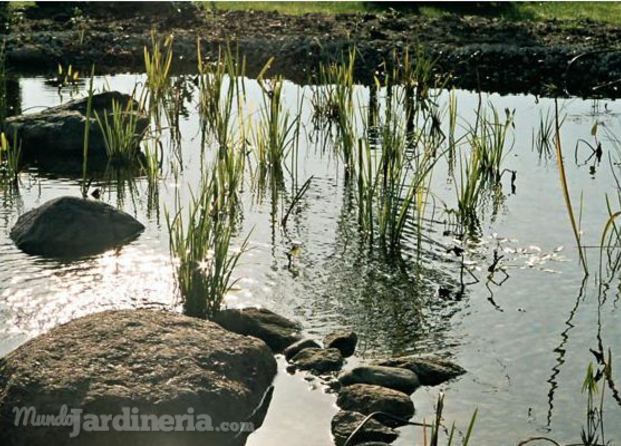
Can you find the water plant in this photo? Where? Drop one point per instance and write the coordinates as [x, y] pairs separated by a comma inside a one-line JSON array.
[[276, 131], [543, 139], [87, 129], [389, 185], [567, 197], [121, 134], [488, 138], [221, 90], [10, 158], [433, 438], [158, 66], [335, 103], [200, 246]]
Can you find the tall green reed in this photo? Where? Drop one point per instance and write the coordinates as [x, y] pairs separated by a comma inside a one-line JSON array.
[[200, 244], [10, 159], [121, 133], [222, 91], [277, 131], [335, 103], [158, 63], [391, 184]]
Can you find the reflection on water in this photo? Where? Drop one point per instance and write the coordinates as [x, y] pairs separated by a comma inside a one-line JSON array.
[[523, 329]]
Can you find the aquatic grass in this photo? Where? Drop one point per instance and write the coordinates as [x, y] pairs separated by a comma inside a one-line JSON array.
[[158, 63], [158, 67], [469, 190], [3, 84], [391, 185], [277, 130], [433, 438], [565, 188], [200, 245], [119, 127], [488, 138], [10, 158], [335, 104], [543, 140], [222, 93], [87, 129]]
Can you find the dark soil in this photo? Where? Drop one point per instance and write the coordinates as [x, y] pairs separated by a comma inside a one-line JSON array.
[[478, 52]]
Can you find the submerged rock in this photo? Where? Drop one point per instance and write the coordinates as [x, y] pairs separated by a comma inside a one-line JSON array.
[[344, 340], [392, 377], [160, 363], [297, 347], [431, 370], [318, 360], [367, 398], [71, 226], [345, 422], [59, 131], [277, 331]]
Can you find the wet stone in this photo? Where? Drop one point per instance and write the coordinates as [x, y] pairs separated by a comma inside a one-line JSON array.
[[318, 360], [344, 340]]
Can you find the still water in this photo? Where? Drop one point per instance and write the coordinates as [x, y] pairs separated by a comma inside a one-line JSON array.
[[525, 341]]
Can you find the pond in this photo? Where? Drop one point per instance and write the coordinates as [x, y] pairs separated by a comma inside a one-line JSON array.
[[524, 337]]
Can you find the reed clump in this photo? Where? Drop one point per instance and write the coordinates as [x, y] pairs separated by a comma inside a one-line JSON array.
[[277, 130], [10, 159], [121, 133], [200, 244]]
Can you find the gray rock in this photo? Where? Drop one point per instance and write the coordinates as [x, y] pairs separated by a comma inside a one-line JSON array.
[[278, 332], [367, 398], [297, 347], [59, 131], [344, 340], [159, 362], [431, 370], [346, 422], [392, 377], [318, 360], [71, 226]]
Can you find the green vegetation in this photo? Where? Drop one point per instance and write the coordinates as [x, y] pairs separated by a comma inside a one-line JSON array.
[[293, 8], [120, 131], [605, 12], [10, 159], [277, 130], [200, 246]]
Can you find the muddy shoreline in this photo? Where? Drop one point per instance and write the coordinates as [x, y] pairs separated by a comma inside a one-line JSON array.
[[486, 53]]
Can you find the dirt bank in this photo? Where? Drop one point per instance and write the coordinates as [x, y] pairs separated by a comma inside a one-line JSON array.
[[497, 55]]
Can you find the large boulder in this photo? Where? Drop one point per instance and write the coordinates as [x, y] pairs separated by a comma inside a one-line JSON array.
[[277, 331], [140, 362], [59, 131], [392, 377], [430, 370], [71, 226]]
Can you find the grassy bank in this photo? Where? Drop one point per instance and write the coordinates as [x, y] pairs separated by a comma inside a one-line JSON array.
[[604, 12]]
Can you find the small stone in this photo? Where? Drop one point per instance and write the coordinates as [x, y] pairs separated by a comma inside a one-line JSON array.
[[367, 398], [346, 422], [392, 377], [297, 347], [431, 370], [276, 331], [318, 360], [344, 340]]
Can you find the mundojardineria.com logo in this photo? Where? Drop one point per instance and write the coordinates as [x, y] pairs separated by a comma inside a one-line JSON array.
[[129, 420]]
